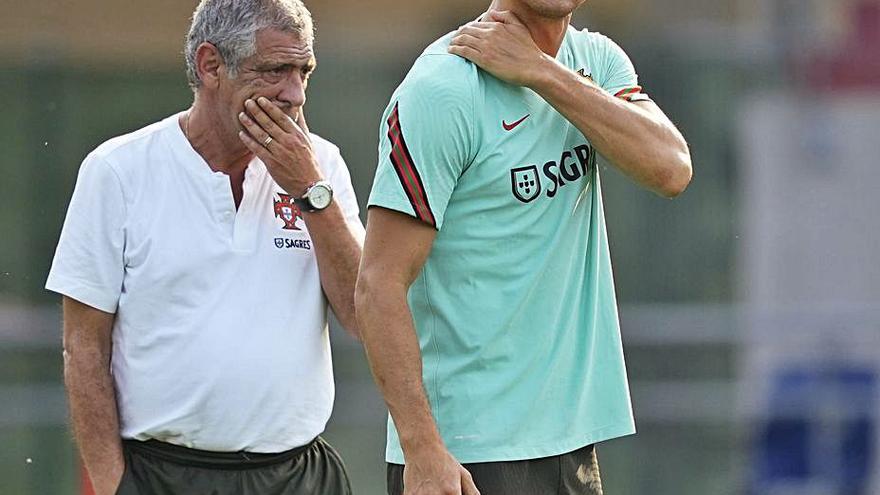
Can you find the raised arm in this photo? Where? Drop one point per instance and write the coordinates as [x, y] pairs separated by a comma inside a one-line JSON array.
[[290, 159], [91, 394], [395, 250], [636, 137]]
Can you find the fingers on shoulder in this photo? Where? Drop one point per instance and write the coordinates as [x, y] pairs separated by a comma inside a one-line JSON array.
[[465, 51]]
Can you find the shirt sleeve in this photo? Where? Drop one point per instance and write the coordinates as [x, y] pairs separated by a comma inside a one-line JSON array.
[[88, 264], [425, 141], [620, 76]]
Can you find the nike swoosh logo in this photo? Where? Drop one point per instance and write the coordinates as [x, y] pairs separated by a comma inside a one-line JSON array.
[[509, 127]]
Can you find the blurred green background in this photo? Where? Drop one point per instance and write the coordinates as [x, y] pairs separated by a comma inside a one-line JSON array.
[[73, 74]]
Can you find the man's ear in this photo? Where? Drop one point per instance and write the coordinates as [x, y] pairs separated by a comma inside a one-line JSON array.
[[209, 63]]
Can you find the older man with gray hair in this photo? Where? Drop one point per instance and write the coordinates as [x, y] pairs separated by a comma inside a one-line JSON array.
[[197, 262]]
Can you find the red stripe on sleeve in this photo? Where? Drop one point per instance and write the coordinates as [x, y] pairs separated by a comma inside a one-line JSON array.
[[407, 172], [627, 91]]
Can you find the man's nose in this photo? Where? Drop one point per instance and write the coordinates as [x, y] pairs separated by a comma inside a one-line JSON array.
[[293, 91]]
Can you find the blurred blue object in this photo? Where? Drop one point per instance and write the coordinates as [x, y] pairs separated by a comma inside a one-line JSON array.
[[818, 436]]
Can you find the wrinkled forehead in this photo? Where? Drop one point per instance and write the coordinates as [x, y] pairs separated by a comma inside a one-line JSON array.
[[273, 45]]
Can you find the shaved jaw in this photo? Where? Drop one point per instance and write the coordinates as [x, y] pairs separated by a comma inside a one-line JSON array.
[[551, 9]]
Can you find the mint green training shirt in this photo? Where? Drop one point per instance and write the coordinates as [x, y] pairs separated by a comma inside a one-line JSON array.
[[515, 307]]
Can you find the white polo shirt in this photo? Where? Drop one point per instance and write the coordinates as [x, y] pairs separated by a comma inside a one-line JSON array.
[[220, 340]]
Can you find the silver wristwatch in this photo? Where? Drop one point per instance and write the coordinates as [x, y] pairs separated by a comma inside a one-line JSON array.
[[317, 197]]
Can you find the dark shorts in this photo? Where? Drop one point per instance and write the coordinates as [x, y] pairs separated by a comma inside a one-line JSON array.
[[574, 473], [157, 468]]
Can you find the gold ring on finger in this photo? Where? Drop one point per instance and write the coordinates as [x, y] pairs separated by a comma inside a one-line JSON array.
[[267, 141]]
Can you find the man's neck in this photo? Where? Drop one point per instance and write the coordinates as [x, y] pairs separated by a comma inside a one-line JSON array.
[[547, 32], [205, 132]]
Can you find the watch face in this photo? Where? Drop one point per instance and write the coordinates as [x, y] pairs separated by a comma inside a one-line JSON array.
[[320, 196]]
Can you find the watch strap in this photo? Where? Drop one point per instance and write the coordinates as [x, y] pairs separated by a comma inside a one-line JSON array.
[[304, 204]]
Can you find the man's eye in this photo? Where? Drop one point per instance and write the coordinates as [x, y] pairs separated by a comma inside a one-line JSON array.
[[274, 71]]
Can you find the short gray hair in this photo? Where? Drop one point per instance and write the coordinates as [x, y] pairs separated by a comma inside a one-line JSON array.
[[232, 26]]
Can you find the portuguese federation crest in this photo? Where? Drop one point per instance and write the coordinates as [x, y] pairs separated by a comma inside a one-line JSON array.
[[525, 183], [287, 211]]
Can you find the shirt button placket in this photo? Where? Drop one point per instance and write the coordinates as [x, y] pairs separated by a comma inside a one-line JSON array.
[[222, 199]]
